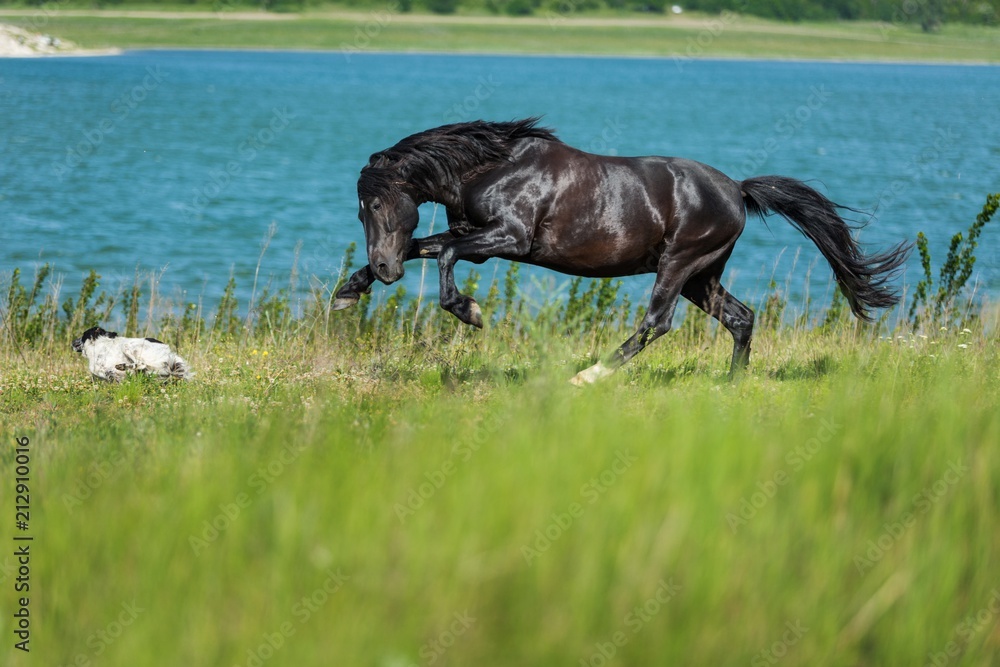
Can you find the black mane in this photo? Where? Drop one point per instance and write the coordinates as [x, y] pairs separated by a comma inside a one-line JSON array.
[[447, 154]]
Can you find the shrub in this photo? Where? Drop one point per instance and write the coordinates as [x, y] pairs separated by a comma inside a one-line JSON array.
[[944, 308]]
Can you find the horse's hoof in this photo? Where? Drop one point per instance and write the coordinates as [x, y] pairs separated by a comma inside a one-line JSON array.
[[591, 375], [475, 315], [467, 310], [344, 302]]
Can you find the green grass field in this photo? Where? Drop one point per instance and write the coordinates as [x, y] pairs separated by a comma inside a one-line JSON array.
[[384, 486], [548, 33]]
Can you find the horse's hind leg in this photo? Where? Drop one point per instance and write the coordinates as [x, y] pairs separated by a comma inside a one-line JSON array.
[[670, 278], [707, 293]]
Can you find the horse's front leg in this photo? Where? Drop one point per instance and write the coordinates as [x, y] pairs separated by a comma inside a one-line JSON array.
[[476, 246], [350, 293], [428, 247], [361, 280]]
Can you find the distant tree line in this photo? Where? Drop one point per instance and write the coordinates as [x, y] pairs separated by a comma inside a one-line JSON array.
[[929, 14]]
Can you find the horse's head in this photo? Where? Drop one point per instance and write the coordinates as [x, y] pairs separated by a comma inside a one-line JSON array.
[[390, 217]]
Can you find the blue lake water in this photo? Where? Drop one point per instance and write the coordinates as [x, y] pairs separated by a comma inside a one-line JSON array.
[[179, 162]]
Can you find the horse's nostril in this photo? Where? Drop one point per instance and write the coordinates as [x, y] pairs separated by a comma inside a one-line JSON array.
[[383, 267]]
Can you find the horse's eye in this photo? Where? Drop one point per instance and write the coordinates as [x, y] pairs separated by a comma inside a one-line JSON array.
[[376, 205]]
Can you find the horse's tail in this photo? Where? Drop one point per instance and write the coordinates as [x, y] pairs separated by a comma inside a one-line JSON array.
[[862, 278]]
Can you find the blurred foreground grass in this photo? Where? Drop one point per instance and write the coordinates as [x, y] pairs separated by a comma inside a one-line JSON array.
[[446, 498]]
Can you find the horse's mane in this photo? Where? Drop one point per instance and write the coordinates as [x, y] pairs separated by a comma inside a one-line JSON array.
[[447, 154]]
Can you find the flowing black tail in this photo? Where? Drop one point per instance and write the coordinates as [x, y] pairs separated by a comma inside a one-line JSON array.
[[862, 278]]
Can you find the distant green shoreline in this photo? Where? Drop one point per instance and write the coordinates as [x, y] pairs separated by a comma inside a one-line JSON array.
[[693, 37], [512, 54], [835, 61]]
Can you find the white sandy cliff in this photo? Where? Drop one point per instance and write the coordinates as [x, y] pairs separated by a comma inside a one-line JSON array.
[[17, 42]]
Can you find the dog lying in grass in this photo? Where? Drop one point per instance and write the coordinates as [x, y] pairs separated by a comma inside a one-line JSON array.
[[113, 357]]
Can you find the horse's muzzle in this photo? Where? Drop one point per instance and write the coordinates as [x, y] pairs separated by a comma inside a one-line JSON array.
[[388, 272]]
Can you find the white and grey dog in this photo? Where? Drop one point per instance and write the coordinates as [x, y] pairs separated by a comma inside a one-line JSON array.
[[112, 357]]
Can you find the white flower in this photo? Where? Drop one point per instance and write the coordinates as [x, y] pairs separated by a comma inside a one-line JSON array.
[[963, 345]]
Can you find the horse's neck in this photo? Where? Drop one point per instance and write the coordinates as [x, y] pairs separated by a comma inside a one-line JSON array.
[[448, 196]]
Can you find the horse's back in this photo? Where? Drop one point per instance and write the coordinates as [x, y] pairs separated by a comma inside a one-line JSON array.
[[601, 215], [668, 185]]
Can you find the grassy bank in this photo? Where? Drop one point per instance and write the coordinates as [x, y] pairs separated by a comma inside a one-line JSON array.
[[689, 36], [383, 486]]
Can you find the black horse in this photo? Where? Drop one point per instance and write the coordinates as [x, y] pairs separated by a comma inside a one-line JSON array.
[[513, 190]]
